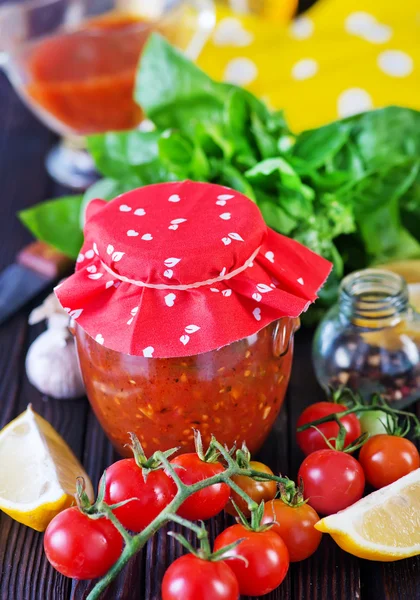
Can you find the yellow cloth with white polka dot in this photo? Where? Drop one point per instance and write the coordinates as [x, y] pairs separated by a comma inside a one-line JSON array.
[[339, 58]]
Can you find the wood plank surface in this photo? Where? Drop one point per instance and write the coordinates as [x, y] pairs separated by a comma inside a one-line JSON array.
[[24, 572]]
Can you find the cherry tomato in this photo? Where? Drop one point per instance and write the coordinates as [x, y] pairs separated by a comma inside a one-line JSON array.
[[295, 526], [267, 556], [373, 422], [386, 458], [332, 480], [192, 578], [209, 501], [311, 440], [80, 547], [257, 490], [124, 480]]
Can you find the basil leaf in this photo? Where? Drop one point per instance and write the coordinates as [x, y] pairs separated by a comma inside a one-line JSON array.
[[119, 155], [56, 222], [386, 136], [173, 92], [316, 146]]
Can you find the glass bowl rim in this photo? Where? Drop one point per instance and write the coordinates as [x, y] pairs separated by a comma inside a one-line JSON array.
[[73, 29]]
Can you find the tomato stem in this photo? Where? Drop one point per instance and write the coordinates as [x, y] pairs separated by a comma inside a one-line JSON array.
[[135, 543]]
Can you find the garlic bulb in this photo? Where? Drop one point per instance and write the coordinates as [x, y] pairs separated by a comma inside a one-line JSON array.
[[52, 365]]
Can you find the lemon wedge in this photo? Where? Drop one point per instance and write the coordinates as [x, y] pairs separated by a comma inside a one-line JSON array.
[[384, 526], [38, 471]]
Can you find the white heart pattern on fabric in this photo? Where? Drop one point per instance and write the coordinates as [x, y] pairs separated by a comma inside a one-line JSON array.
[[134, 310], [191, 328], [132, 233], [214, 290], [175, 223], [80, 258], [223, 272], [236, 236], [147, 237], [109, 284], [170, 299], [261, 287], [140, 212], [227, 293], [168, 273], [257, 297], [221, 202], [226, 241], [269, 256], [100, 339], [109, 249], [130, 321], [125, 208], [90, 254], [174, 198], [300, 280], [225, 216], [95, 276], [148, 352], [75, 314], [91, 269], [117, 256], [184, 339], [257, 314], [171, 262], [225, 197], [95, 248]]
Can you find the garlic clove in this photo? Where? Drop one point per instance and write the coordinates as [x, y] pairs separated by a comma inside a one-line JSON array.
[[52, 365], [46, 310]]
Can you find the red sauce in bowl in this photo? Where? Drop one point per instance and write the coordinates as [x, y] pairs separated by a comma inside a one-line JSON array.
[[85, 78]]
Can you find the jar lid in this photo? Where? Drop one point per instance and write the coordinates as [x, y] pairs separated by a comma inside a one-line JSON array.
[[177, 269]]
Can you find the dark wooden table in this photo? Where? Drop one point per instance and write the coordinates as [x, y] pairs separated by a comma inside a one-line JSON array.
[[24, 572]]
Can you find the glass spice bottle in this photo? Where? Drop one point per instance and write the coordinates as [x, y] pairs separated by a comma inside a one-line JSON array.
[[370, 340]]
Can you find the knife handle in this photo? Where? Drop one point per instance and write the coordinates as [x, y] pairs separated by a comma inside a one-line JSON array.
[[45, 260]]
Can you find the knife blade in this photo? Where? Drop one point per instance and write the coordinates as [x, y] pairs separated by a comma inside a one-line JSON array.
[[37, 267]]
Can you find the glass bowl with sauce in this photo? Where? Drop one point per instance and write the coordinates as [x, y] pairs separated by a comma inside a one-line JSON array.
[[234, 393], [73, 62]]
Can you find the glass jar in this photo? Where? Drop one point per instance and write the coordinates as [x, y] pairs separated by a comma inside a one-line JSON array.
[[370, 340], [235, 392]]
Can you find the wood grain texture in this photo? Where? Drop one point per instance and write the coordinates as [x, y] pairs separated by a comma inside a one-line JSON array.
[[24, 572]]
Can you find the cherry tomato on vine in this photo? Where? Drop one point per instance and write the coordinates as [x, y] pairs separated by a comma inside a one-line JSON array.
[[332, 480], [124, 480], [311, 440], [295, 526], [257, 490], [80, 547], [265, 553], [193, 578], [209, 501], [386, 458]]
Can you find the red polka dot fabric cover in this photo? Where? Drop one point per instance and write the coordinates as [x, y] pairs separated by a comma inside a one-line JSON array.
[[177, 269]]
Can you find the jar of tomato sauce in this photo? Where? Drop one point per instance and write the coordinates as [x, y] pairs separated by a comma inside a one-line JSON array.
[[185, 306]]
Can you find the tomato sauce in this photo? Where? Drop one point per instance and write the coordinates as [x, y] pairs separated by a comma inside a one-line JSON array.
[[234, 393], [85, 78]]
